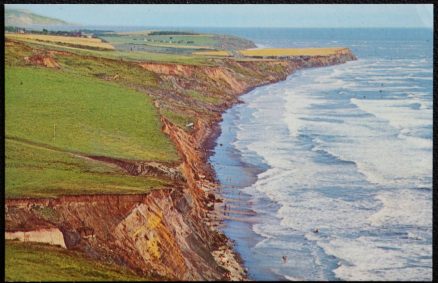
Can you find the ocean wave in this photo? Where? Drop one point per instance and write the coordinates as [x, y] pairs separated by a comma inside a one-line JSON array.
[[347, 184], [371, 258], [404, 207]]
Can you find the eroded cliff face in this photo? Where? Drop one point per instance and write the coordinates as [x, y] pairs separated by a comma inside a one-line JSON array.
[[154, 234], [170, 232], [234, 78]]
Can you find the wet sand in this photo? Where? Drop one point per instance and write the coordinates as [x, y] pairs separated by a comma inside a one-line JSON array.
[[239, 216]]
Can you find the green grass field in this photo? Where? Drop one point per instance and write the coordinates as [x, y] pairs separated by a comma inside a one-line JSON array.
[[35, 171], [54, 117], [182, 41], [39, 262], [84, 115]]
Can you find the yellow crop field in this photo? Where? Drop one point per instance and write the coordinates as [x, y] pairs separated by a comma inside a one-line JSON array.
[[291, 51], [69, 40], [222, 53]]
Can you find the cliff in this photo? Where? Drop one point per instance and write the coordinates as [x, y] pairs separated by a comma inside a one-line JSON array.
[[154, 234], [170, 232]]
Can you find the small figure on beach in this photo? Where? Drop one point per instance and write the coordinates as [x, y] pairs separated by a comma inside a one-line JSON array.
[[284, 258]]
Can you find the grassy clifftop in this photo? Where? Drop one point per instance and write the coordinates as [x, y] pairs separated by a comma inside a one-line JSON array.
[[55, 119], [81, 114]]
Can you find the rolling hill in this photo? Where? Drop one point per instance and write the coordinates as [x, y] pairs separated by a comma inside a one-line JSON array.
[[15, 17]]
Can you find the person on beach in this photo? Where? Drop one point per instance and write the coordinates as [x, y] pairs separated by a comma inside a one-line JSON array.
[[284, 258]]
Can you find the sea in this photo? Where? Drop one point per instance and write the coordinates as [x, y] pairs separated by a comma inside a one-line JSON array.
[[328, 174]]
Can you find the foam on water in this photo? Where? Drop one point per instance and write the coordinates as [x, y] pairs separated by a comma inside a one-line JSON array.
[[371, 258], [347, 150], [398, 208], [330, 162]]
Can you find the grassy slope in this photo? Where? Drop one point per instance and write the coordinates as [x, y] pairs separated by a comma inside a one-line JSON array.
[[90, 63], [38, 262], [20, 17], [33, 171], [90, 116], [129, 74]]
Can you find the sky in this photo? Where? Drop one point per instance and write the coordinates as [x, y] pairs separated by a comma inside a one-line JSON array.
[[255, 15]]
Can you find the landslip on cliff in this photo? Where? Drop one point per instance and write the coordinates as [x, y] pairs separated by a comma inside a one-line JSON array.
[[171, 232]]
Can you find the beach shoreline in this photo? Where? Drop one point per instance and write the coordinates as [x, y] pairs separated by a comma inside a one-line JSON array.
[[237, 213], [208, 147]]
